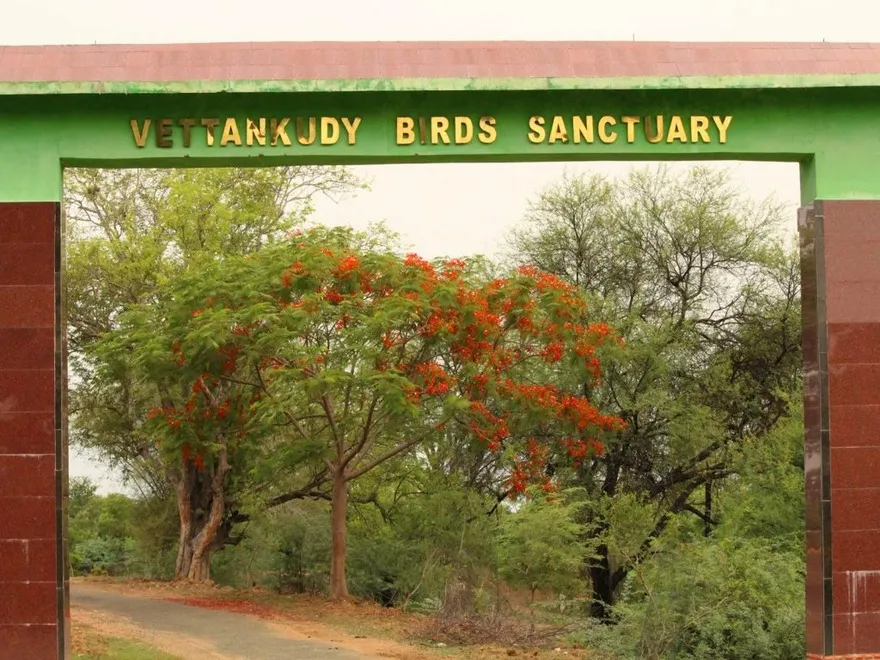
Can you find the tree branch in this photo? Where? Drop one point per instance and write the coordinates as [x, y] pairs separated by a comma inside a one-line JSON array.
[[399, 449], [368, 425], [309, 491], [699, 514], [328, 410]]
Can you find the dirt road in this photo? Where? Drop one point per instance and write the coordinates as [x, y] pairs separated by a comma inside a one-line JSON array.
[[192, 632]]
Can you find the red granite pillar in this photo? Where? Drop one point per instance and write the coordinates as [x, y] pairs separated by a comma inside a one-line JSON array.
[[840, 250], [33, 455]]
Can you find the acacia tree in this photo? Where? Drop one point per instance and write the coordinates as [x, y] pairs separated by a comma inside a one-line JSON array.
[[695, 277], [361, 355]]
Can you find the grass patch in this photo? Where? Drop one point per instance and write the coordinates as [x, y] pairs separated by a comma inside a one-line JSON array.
[[89, 644]]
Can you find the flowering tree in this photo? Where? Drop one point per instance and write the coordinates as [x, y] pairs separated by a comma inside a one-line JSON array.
[[362, 355]]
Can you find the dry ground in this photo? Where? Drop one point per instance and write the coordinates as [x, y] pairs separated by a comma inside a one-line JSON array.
[[88, 643], [362, 628]]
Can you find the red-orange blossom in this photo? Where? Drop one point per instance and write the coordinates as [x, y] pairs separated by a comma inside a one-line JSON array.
[[502, 347]]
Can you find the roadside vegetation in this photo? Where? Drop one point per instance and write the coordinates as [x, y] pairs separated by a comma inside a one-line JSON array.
[[594, 442]]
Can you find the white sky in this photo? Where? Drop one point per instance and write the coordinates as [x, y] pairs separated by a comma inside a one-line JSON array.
[[447, 209]]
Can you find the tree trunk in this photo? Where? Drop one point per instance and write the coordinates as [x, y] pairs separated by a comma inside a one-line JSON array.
[[201, 504], [603, 589], [200, 568], [599, 569], [339, 508], [191, 564], [185, 512]]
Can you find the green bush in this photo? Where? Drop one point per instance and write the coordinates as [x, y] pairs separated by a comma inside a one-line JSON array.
[[155, 537], [738, 594], [726, 600], [540, 547], [102, 556], [286, 549]]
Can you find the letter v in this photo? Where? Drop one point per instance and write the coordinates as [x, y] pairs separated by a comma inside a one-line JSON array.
[[140, 135]]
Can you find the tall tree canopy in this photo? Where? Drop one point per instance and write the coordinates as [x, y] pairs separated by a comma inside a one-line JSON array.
[[237, 366], [698, 281], [319, 347], [129, 232]]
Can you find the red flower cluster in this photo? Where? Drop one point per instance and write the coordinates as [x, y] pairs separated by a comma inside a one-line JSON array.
[[178, 354], [554, 351], [488, 427], [415, 261], [288, 275], [495, 337], [435, 381], [332, 296], [347, 265], [231, 354], [578, 449], [211, 401], [504, 324]]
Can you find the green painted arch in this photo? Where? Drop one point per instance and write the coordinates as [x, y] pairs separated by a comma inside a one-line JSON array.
[[827, 124]]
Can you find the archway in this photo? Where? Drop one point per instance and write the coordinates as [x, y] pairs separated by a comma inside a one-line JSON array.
[[265, 104]]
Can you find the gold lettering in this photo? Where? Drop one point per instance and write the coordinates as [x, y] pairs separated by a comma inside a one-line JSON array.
[[187, 123], [722, 127], [464, 130], [210, 125], [537, 132], [279, 131], [405, 132], [439, 128], [654, 136], [630, 128], [558, 131], [423, 131], [329, 130], [140, 134], [676, 130], [313, 130], [488, 133], [351, 126], [604, 135], [699, 129], [582, 127], [256, 132], [230, 133], [163, 133]]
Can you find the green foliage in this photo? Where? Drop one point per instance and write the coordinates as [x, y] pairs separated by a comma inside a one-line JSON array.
[[738, 593], [81, 491], [99, 530], [118, 535], [129, 233], [313, 329], [712, 598], [540, 546], [766, 500], [155, 536], [286, 548], [102, 556], [420, 536], [342, 358], [268, 349], [101, 647], [417, 535], [695, 278]]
